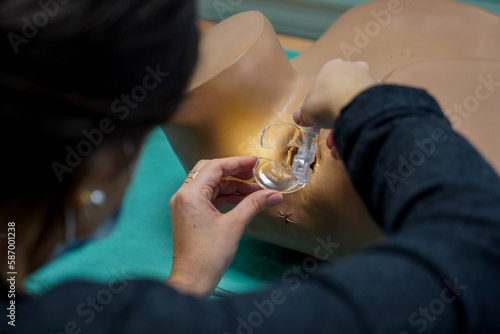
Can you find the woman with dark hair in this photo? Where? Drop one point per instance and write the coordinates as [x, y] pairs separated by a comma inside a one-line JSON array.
[[83, 83]]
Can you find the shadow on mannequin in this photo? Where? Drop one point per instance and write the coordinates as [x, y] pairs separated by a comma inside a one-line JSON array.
[[244, 81]]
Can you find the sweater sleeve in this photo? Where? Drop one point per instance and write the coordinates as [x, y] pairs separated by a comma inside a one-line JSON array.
[[408, 164], [437, 272], [436, 198]]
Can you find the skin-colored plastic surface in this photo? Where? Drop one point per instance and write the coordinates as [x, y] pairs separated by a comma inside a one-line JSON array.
[[468, 90], [388, 34], [244, 81]]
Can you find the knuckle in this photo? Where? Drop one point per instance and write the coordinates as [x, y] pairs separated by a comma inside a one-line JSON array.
[[179, 199], [218, 161], [171, 202], [208, 192], [201, 164], [173, 199], [258, 207]]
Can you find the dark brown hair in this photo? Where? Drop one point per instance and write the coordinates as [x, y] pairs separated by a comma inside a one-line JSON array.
[[68, 65]]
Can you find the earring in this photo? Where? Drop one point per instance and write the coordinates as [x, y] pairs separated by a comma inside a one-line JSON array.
[[91, 202]]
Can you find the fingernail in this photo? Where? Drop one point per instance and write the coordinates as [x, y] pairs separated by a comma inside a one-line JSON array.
[[274, 199], [296, 115]]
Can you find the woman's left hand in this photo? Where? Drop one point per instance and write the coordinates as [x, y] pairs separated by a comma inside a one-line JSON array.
[[204, 239]]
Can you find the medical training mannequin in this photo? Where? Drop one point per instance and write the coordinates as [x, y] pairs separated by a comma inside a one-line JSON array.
[[244, 81], [225, 114]]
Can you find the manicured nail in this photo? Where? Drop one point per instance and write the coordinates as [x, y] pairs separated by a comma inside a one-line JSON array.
[[274, 199]]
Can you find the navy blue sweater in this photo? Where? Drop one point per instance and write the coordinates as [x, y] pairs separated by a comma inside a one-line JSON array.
[[437, 272]]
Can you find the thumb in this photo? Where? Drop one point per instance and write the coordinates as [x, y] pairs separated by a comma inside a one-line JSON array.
[[253, 204], [300, 118]]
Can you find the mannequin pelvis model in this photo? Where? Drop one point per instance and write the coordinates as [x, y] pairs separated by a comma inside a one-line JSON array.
[[244, 81]]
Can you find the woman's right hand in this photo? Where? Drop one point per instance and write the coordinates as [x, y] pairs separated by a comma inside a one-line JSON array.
[[336, 85]]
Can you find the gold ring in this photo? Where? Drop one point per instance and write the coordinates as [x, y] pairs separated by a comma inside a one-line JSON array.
[[190, 176]]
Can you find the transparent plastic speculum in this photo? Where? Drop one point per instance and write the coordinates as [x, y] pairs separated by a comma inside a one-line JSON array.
[[284, 143]]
